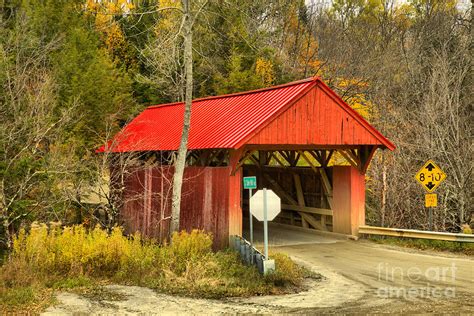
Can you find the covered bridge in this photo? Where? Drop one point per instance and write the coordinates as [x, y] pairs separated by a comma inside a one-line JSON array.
[[300, 139]]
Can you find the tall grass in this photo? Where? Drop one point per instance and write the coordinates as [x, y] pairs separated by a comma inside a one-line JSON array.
[[55, 257], [427, 244]]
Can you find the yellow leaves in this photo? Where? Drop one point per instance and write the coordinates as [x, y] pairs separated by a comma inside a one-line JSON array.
[[343, 83], [364, 107], [76, 250], [169, 19], [109, 30], [430, 6], [358, 100], [316, 65], [92, 5], [309, 56], [264, 69], [114, 37], [109, 7], [102, 21], [170, 4], [403, 16]]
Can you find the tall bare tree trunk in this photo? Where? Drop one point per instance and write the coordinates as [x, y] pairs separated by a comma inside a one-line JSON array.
[[384, 190], [183, 146]]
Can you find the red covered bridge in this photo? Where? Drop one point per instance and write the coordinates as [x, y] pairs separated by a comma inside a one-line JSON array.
[[300, 139]]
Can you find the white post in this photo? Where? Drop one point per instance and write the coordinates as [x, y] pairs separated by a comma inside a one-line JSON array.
[[251, 221], [265, 224]]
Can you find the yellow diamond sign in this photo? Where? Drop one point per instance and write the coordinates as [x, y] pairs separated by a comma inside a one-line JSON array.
[[430, 176]]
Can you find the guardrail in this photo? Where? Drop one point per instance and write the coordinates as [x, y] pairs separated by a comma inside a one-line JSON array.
[[248, 253], [412, 233]]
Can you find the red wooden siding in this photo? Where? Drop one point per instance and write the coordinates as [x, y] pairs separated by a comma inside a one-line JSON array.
[[235, 200], [204, 204], [315, 119]]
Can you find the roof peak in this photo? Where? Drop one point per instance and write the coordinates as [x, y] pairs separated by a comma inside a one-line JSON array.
[[292, 83]]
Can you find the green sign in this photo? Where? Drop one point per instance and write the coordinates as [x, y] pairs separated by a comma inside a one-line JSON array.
[[250, 182]]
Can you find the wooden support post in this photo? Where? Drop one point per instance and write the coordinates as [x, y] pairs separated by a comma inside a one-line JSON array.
[[349, 200]]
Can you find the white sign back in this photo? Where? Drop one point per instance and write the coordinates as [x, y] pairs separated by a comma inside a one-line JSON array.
[[273, 205]]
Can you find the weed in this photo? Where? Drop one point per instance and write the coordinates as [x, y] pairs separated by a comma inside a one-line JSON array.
[[18, 296], [72, 282], [100, 293], [427, 244], [29, 299], [287, 272], [74, 258]]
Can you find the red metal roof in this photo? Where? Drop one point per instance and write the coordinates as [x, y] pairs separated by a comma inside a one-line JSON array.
[[224, 121]]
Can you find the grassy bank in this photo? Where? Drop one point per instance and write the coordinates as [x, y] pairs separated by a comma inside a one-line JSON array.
[[46, 260], [426, 244]]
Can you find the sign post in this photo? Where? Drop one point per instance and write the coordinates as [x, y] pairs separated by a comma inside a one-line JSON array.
[[265, 224], [265, 205], [250, 183], [430, 176]]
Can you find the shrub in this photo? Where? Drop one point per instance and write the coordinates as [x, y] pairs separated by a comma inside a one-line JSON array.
[[74, 251], [287, 272], [188, 248], [466, 229]]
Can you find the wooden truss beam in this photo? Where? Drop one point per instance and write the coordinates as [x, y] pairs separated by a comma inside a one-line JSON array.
[[235, 160], [245, 155], [310, 163], [308, 209], [300, 196], [327, 186], [282, 193], [274, 156], [366, 155], [349, 157], [289, 160], [359, 157]]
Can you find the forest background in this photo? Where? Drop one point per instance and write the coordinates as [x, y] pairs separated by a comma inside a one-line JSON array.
[[74, 72]]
